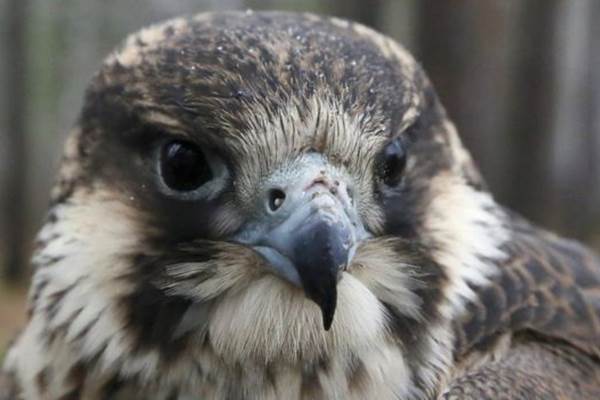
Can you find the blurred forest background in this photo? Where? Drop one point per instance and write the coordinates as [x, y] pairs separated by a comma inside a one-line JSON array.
[[521, 79]]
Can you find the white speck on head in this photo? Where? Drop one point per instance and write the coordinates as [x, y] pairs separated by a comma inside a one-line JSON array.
[[147, 39]]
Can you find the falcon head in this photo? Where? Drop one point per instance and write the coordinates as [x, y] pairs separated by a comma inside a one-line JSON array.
[[261, 187]]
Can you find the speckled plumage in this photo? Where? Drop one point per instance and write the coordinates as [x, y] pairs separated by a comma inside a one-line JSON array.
[[141, 295]]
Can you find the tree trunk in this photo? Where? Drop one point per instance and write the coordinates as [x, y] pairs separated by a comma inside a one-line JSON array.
[[576, 132], [464, 47], [15, 145], [532, 105]]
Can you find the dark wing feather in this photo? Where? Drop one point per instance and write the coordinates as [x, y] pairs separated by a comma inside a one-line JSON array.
[[531, 371], [548, 285]]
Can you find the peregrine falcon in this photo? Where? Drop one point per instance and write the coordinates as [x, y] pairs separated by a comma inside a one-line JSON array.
[[276, 206]]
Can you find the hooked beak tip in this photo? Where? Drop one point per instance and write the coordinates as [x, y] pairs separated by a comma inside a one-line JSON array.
[[327, 318], [327, 302], [322, 291], [327, 311]]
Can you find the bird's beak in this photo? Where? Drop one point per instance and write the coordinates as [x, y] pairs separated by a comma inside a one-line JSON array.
[[309, 232]]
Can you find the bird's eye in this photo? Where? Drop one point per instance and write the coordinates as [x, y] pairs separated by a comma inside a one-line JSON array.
[[183, 166], [392, 162]]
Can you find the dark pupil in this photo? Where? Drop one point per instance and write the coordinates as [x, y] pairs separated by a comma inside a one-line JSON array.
[[184, 167], [394, 161]]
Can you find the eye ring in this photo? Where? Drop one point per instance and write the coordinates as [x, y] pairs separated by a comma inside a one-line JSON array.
[[185, 171], [392, 162]]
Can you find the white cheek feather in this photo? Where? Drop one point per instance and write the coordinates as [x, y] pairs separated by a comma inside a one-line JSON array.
[[392, 281], [27, 357], [467, 232], [90, 239]]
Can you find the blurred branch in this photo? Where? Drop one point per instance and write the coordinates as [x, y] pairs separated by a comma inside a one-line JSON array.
[[15, 161]]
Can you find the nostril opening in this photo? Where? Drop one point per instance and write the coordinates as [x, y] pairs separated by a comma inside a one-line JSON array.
[[276, 199]]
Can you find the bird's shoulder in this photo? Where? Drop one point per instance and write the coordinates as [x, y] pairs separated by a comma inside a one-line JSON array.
[[535, 370], [547, 285]]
